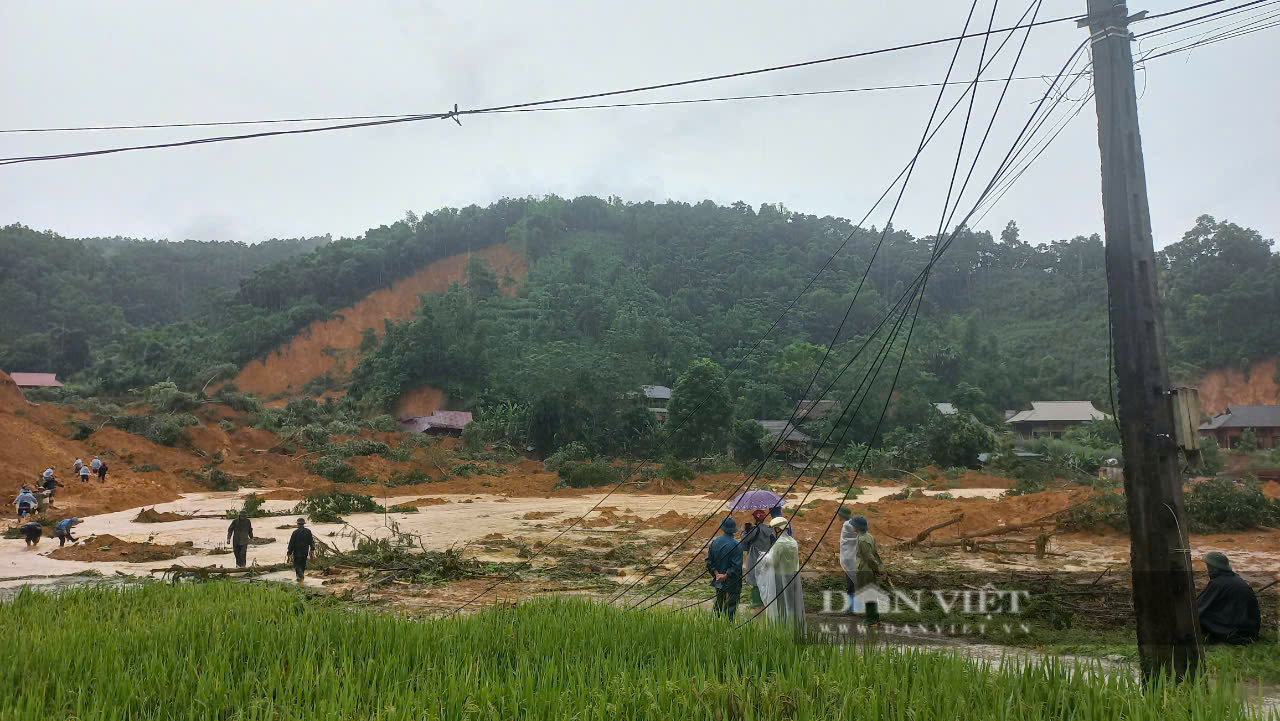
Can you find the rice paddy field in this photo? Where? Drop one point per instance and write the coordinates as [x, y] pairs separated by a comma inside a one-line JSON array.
[[225, 650]]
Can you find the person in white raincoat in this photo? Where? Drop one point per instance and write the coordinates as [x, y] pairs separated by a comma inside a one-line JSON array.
[[780, 585]]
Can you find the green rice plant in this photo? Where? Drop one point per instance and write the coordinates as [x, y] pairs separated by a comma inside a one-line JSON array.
[[256, 652]]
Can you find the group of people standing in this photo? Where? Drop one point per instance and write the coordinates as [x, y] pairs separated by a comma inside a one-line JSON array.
[[302, 544], [35, 500], [772, 565]]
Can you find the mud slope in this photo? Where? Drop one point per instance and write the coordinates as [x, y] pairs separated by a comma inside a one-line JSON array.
[[35, 436], [330, 346], [1229, 386]]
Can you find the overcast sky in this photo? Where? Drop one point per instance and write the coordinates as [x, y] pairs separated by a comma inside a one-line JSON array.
[[1209, 117]]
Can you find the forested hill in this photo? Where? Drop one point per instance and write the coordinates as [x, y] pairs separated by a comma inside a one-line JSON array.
[[620, 294]]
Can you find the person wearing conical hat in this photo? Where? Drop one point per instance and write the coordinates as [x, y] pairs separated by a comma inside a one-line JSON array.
[[1227, 607]]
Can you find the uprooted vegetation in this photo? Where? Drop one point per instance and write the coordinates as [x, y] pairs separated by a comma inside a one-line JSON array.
[[327, 506], [402, 557]]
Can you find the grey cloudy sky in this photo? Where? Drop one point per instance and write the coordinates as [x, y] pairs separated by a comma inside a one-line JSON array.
[[1209, 117]]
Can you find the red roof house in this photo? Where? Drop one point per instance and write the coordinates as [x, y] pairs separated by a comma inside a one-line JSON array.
[[36, 380]]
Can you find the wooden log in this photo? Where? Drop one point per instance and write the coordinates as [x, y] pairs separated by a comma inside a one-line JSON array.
[[925, 533], [223, 569]]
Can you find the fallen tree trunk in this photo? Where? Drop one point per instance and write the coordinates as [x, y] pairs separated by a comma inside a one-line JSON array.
[[222, 570], [925, 533]]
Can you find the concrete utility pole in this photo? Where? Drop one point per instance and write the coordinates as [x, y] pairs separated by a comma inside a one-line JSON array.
[[1163, 592]]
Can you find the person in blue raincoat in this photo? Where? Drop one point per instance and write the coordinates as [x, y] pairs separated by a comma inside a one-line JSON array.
[[724, 563]]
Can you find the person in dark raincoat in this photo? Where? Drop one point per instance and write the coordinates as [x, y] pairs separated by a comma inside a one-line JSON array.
[[724, 563], [1228, 607]]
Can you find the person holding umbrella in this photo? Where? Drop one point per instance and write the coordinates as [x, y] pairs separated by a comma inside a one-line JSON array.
[[757, 542]]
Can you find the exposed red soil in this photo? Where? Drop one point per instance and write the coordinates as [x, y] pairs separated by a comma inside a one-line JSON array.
[[109, 548], [1271, 488], [1226, 386], [151, 515], [289, 368], [539, 515], [423, 502], [421, 401], [969, 479]]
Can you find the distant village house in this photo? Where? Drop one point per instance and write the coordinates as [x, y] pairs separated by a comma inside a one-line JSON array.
[[795, 443], [1051, 419], [1226, 428], [807, 411], [448, 423], [36, 380], [656, 399]]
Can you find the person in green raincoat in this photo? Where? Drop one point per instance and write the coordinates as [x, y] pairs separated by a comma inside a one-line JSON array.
[[860, 559]]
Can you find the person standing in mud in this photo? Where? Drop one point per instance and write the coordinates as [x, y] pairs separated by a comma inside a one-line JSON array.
[[84, 473], [238, 535], [302, 546], [724, 563], [51, 486], [26, 502], [99, 468], [62, 531], [860, 559], [31, 532]]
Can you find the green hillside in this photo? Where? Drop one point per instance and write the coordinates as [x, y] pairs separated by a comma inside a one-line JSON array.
[[621, 294]]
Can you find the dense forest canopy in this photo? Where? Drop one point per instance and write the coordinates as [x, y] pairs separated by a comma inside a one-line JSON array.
[[620, 294]]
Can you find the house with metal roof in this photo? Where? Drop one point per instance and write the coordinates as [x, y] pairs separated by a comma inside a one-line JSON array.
[[794, 442], [1052, 418], [1226, 428], [656, 399], [439, 422], [36, 380], [807, 411]]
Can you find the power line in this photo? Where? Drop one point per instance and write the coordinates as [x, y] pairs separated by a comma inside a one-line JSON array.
[[600, 106], [455, 114], [782, 436], [925, 137], [939, 249]]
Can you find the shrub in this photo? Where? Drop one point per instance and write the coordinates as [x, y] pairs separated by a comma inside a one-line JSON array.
[[1248, 440], [407, 478], [358, 447], [166, 398], [383, 424], [590, 474], [1104, 508], [574, 452], [328, 506], [465, 470], [1211, 463], [166, 430], [239, 402], [146, 468], [216, 480], [677, 470], [252, 508], [333, 468], [1223, 504], [227, 426]]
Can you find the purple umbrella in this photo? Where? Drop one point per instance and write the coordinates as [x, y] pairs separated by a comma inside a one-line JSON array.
[[752, 500]]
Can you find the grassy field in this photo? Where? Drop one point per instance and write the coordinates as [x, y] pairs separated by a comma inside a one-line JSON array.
[[236, 651]]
